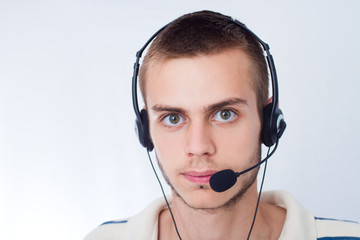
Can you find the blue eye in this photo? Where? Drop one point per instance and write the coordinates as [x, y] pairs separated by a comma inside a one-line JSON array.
[[173, 119], [224, 115]]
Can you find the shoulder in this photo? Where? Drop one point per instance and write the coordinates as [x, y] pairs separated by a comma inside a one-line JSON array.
[[141, 226], [328, 228], [301, 224], [109, 230]]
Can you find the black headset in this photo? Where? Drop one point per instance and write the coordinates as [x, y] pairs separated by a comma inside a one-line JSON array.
[[273, 125]]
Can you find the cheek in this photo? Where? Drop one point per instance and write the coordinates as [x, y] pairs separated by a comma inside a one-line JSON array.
[[169, 147], [239, 140]]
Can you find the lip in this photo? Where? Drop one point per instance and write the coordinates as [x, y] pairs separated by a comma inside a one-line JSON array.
[[199, 176]]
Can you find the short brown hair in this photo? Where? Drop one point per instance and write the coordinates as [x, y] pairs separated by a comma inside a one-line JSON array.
[[202, 33]]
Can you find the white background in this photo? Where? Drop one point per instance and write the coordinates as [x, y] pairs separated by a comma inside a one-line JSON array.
[[69, 158]]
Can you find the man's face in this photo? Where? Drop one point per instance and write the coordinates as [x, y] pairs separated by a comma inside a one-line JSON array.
[[203, 119]]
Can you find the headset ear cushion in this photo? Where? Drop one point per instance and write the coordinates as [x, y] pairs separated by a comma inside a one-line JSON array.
[[273, 126], [266, 126], [143, 132]]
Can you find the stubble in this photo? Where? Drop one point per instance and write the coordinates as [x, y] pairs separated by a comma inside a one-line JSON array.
[[246, 181]]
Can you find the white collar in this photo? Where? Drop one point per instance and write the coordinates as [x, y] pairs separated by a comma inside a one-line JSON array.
[[299, 223]]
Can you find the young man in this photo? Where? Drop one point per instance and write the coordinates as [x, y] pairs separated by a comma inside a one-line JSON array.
[[204, 81]]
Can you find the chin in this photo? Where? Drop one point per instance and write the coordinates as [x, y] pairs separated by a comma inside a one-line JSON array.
[[204, 199]]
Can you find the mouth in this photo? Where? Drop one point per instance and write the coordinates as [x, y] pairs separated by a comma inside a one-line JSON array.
[[199, 177]]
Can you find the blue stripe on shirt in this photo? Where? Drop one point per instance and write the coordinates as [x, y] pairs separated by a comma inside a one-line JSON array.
[[114, 222], [339, 238], [333, 219]]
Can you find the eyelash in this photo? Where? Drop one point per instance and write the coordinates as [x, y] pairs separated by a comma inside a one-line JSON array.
[[165, 118], [233, 116]]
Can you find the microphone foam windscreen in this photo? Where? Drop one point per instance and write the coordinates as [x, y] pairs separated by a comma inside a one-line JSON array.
[[223, 180]]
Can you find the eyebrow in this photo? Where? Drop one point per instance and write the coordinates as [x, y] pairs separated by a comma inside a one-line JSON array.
[[227, 102], [210, 108], [164, 108]]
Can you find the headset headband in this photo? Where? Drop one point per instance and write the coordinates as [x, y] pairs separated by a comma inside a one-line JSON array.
[[274, 122]]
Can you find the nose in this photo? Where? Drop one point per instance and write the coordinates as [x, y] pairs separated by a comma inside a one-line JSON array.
[[199, 140]]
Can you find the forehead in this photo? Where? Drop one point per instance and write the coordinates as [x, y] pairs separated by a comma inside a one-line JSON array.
[[200, 80]]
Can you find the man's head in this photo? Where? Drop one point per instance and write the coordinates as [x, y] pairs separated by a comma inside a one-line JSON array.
[[206, 33], [204, 82]]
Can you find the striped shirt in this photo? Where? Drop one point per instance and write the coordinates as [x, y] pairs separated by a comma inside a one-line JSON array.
[[299, 223]]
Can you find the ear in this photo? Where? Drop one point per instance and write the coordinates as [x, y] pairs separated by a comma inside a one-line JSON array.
[[270, 100]]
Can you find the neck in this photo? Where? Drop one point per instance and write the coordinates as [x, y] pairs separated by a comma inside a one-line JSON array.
[[223, 223]]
